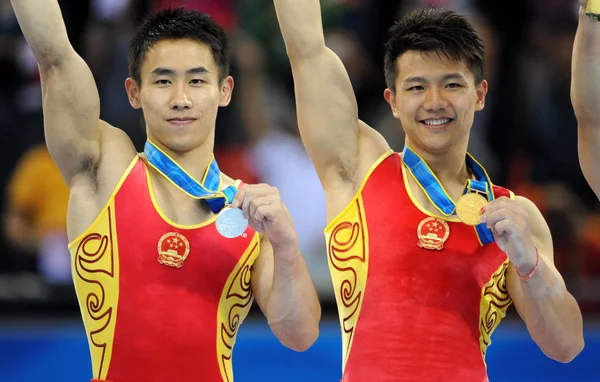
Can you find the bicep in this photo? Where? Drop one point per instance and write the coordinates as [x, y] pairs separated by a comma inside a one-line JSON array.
[[327, 111], [71, 115]]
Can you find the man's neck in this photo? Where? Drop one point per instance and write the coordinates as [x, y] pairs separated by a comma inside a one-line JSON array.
[[194, 162], [450, 166]]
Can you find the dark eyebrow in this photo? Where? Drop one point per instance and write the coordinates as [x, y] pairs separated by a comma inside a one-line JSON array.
[[198, 70], [171, 72], [446, 77], [414, 79], [163, 72], [453, 76]]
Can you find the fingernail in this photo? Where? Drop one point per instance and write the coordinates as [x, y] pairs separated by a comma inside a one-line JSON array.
[[246, 216], [235, 203], [482, 210], [482, 219]]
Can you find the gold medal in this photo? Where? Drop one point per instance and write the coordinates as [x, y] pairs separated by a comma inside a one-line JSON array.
[[593, 9], [468, 208]]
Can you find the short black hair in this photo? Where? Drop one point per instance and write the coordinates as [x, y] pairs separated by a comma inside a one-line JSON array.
[[434, 30], [176, 24]]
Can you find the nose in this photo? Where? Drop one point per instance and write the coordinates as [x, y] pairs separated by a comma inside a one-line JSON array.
[[180, 99], [434, 100]]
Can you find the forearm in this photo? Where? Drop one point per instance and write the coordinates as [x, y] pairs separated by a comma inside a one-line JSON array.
[[292, 305], [301, 26], [44, 29], [551, 313]]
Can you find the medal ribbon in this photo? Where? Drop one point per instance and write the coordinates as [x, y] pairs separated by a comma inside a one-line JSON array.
[[210, 187], [438, 196]]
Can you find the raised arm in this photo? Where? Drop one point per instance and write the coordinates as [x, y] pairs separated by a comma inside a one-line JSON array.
[[70, 99], [337, 142], [585, 95]]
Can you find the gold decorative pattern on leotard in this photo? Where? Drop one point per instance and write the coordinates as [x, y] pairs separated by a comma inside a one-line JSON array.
[[495, 300], [96, 278], [234, 306], [347, 253]]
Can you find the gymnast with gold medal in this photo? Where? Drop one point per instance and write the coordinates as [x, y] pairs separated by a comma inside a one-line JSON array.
[[425, 252], [585, 90]]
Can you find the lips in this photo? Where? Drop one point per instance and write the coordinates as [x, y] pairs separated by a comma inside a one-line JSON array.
[[180, 121], [434, 123]]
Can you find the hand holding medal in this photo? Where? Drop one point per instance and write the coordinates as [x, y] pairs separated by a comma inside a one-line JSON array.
[[509, 222], [265, 212]]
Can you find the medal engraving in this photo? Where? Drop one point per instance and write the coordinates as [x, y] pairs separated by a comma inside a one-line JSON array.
[[231, 222], [468, 208]]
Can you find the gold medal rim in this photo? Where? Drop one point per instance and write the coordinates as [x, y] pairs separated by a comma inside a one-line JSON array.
[[469, 219]]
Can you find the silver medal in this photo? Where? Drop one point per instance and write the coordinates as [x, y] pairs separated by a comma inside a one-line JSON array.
[[231, 222]]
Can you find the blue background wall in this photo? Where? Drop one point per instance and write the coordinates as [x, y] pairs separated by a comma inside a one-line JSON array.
[[30, 352]]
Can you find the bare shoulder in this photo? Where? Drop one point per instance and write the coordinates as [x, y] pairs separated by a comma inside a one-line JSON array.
[[371, 147], [92, 187]]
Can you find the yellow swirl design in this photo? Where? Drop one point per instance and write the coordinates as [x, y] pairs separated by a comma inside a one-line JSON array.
[[95, 274], [495, 300], [348, 257], [234, 306]]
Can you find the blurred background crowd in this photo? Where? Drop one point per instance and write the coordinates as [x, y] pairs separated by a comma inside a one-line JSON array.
[[526, 136]]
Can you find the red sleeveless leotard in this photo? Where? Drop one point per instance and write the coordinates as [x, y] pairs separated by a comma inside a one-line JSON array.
[[160, 301], [409, 313]]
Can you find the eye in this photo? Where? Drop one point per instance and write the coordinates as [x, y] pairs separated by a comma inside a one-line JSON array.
[[454, 85], [162, 82], [415, 88], [197, 81]]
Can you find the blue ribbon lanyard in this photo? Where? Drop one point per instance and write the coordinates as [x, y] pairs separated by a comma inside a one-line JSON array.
[[439, 197], [210, 187]]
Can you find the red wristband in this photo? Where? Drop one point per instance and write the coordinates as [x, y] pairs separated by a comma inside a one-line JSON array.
[[534, 270]]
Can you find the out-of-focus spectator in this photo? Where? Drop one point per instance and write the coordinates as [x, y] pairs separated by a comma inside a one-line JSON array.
[[36, 214]]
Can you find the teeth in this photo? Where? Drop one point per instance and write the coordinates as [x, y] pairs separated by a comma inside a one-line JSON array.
[[436, 122]]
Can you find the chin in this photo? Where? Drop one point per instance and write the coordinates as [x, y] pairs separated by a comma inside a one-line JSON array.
[[180, 144], [436, 144]]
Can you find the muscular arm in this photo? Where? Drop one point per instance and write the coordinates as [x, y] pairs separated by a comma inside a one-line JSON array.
[[550, 312], [70, 98], [285, 293], [585, 95], [337, 142]]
